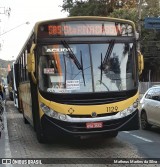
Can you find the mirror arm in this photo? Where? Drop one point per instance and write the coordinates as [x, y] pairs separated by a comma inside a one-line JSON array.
[[140, 62], [33, 78], [32, 61]]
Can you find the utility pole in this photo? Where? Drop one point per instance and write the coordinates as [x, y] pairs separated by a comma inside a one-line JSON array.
[[4, 12], [4, 15]]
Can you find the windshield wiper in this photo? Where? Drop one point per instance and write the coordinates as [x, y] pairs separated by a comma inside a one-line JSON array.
[[75, 60], [104, 85], [108, 54], [101, 70], [106, 58], [65, 68], [82, 69], [72, 55]]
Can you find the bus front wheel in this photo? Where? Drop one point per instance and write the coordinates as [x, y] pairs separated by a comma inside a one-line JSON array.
[[111, 134], [24, 119], [40, 134]]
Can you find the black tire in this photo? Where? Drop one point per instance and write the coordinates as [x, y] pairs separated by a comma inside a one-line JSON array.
[[40, 134], [144, 122], [11, 96], [24, 119], [114, 134], [20, 107], [111, 134]]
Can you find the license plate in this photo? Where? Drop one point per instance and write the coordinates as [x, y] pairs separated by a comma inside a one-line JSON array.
[[90, 125]]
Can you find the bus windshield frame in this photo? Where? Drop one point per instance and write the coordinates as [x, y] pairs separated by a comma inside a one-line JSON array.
[[97, 73]]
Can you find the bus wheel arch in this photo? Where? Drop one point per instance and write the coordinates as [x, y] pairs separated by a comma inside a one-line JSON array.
[[40, 134], [22, 110]]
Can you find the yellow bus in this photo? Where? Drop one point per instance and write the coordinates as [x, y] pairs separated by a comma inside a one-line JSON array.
[[79, 76]]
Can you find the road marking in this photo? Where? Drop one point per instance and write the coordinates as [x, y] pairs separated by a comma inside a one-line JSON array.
[[142, 138], [126, 131], [139, 137], [7, 146]]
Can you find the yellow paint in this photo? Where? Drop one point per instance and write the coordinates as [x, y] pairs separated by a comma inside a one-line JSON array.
[[25, 96], [88, 109]]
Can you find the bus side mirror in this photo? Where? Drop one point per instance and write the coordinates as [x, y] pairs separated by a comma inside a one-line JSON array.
[[31, 60], [140, 62], [31, 63]]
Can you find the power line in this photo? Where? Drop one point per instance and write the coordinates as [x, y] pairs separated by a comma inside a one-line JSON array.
[[14, 28]]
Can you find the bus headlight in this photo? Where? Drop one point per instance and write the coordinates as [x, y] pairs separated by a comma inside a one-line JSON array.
[[129, 110], [51, 113]]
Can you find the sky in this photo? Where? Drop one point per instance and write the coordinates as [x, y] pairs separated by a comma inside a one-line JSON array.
[[14, 28]]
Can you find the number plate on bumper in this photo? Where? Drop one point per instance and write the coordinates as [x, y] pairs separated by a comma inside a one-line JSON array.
[[90, 125]]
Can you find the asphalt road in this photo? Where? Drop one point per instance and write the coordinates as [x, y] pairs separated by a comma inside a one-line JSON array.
[[146, 142]]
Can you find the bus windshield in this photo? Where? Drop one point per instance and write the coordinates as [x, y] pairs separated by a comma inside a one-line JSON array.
[[103, 67]]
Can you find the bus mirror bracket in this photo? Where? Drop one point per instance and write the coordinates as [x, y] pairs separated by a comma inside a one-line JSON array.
[[140, 62]]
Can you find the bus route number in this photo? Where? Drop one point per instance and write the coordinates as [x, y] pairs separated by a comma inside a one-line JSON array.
[[112, 109]]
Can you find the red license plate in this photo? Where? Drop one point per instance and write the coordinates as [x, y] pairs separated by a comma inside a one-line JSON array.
[[90, 125]]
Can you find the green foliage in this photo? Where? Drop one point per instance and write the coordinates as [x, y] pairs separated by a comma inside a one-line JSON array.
[[129, 14], [85, 8], [125, 9], [94, 7], [67, 5], [150, 44]]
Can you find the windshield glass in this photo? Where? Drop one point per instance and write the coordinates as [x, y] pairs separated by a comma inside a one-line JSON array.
[[101, 68]]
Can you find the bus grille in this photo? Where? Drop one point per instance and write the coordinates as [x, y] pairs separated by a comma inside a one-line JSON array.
[[89, 116], [93, 101]]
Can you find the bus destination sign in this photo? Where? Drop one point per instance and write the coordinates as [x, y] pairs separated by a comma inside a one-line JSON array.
[[86, 29], [82, 30]]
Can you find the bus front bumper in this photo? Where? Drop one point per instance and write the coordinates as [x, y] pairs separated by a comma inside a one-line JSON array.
[[51, 125]]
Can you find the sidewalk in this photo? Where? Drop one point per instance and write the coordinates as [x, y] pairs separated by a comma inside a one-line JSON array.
[[4, 141]]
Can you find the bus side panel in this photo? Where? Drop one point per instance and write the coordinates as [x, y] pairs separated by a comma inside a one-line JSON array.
[[25, 100], [35, 111]]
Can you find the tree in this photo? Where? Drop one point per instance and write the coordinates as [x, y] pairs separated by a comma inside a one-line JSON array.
[[149, 40], [95, 7], [150, 45], [125, 13], [125, 9]]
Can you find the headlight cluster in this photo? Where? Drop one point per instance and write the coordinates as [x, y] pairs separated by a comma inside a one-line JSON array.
[[51, 113], [129, 110]]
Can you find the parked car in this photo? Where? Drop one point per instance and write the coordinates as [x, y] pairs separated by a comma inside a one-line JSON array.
[[150, 108]]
